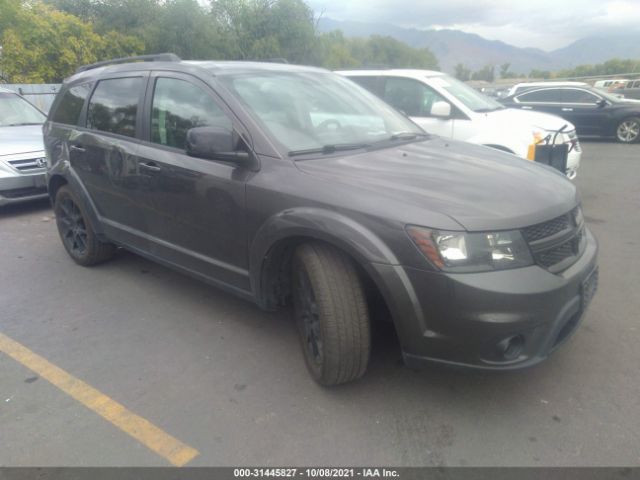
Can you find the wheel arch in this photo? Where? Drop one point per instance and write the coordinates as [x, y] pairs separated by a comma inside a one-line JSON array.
[[274, 245]]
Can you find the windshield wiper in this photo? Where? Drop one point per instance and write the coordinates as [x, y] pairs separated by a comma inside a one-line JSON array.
[[23, 124], [408, 135], [325, 149]]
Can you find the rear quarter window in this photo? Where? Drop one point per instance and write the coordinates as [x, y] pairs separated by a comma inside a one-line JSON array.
[[70, 106]]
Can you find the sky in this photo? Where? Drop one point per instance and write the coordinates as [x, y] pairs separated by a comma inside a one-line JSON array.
[[545, 24]]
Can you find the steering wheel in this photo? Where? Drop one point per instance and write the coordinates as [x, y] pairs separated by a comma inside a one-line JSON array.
[[325, 125]]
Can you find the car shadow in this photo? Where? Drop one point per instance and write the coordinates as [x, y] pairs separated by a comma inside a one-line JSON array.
[[26, 208]]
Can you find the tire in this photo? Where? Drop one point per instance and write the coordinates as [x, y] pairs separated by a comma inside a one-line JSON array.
[[76, 232], [628, 130], [331, 314]]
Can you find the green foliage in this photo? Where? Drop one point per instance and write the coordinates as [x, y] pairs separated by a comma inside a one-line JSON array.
[[486, 73], [45, 45], [45, 40], [462, 72], [505, 72], [610, 67]]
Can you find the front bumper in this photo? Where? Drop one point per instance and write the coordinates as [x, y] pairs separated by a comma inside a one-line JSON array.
[[467, 319], [16, 188]]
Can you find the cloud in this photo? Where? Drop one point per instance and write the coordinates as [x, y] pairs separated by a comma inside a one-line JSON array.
[[544, 23]]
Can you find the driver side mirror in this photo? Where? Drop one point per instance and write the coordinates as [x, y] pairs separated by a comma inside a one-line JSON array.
[[602, 103], [441, 109], [216, 143]]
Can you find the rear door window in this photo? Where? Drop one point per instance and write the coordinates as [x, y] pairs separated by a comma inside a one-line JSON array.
[[370, 83], [114, 106]]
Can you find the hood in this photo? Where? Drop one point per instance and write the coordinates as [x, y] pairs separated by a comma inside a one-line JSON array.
[[25, 139], [478, 187], [527, 119]]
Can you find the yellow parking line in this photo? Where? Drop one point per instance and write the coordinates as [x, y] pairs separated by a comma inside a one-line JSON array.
[[176, 452]]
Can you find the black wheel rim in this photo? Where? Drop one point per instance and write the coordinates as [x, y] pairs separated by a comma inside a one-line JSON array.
[[72, 227], [309, 317]]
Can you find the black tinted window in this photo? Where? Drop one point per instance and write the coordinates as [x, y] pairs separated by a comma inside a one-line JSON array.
[[410, 96], [550, 95], [179, 106], [114, 105], [578, 96], [370, 83], [70, 106]]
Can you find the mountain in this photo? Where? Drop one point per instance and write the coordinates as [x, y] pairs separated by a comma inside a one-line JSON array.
[[454, 46]]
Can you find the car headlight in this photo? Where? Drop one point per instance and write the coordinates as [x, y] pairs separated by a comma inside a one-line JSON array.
[[472, 252]]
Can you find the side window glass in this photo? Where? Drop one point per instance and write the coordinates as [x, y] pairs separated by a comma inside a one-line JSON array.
[[549, 95], [578, 96], [370, 83], [410, 96], [70, 106], [178, 106], [114, 105]]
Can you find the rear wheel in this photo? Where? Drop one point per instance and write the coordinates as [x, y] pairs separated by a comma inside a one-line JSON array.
[[331, 314], [76, 232], [628, 130]]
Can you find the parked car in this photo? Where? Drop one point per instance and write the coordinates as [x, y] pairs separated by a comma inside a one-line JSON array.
[[592, 111], [524, 86], [610, 84], [22, 158], [445, 106], [631, 89], [287, 184]]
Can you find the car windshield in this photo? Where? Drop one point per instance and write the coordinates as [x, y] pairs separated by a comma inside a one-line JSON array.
[[317, 112], [471, 98], [15, 111]]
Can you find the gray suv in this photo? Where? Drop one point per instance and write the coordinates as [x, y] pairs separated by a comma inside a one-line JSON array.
[[292, 185], [22, 159]]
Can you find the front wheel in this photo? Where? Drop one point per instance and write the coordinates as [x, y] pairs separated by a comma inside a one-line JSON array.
[[76, 232], [331, 314], [628, 130]]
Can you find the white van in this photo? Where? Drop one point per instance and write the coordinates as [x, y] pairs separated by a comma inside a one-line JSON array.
[[447, 107]]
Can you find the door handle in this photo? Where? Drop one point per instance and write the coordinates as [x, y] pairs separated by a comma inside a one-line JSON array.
[[567, 109], [150, 167], [77, 148]]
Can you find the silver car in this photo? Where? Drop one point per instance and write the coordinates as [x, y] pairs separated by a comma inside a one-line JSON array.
[[22, 159]]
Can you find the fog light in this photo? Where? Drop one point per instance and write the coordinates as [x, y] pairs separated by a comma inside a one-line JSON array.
[[510, 348]]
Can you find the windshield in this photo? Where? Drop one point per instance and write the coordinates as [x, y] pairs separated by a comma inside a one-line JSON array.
[[309, 111], [15, 110], [471, 98]]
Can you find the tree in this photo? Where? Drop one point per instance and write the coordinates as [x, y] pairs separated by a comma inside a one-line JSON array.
[[504, 71], [487, 73], [462, 72], [45, 45]]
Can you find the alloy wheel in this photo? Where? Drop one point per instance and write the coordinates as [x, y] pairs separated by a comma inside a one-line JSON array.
[[628, 131], [72, 226]]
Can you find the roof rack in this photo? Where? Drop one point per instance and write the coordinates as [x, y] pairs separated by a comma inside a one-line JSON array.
[[158, 57]]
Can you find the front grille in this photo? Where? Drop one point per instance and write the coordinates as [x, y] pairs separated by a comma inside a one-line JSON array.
[[557, 243], [547, 229], [29, 164]]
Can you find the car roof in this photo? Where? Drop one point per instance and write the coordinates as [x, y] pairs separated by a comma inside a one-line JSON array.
[[213, 67], [550, 84], [395, 72]]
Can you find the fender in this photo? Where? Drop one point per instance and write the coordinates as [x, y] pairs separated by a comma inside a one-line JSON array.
[[63, 169], [326, 225]]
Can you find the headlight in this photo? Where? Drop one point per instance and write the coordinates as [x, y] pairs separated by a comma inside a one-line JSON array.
[[472, 252]]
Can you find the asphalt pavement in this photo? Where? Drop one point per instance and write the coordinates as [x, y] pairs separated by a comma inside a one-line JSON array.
[[229, 381]]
